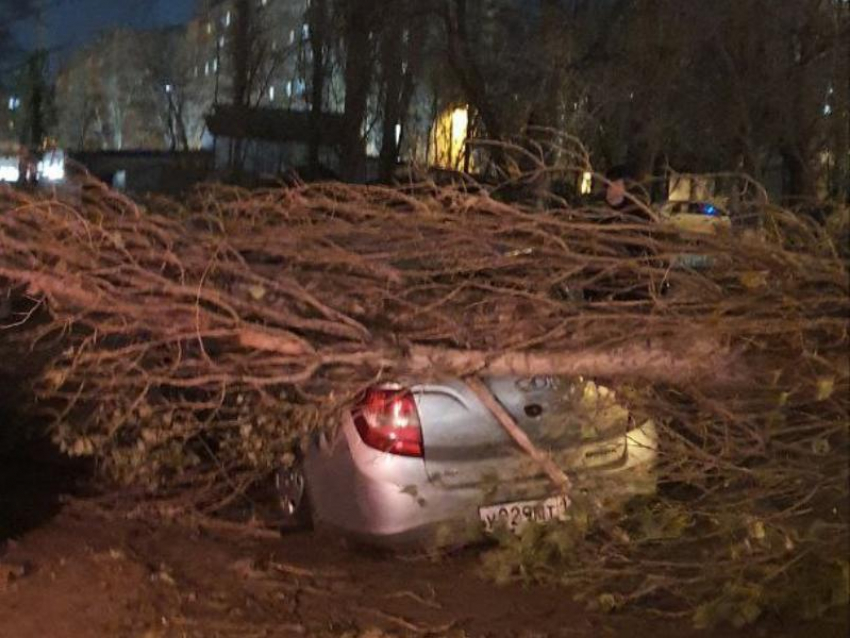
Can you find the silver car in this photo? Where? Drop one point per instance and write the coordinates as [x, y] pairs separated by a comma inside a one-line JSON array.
[[428, 465]]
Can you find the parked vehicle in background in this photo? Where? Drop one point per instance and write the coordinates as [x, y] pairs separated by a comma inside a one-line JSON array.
[[427, 464], [699, 217], [696, 217]]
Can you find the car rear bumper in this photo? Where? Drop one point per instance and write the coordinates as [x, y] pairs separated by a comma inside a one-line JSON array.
[[391, 502]]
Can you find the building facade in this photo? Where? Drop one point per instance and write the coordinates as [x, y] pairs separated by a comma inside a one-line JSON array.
[[155, 89]]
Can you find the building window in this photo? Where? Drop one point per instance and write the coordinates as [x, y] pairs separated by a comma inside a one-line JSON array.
[[215, 65], [305, 31], [209, 28], [14, 103], [271, 94], [228, 18], [207, 68], [292, 36], [300, 87], [221, 42], [289, 89]]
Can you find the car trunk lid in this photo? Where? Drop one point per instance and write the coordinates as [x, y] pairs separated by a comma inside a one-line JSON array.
[[465, 446]]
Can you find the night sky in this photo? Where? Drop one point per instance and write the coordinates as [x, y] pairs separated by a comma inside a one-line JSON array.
[[71, 23]]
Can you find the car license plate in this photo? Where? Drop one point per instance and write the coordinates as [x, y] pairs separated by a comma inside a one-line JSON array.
[[515, 516]]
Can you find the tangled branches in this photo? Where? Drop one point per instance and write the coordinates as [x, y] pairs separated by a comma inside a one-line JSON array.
[[201, 338]]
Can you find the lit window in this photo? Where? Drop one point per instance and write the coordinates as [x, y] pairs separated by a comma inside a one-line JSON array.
[[305, 31], [168, 88], [215, 66], [14, 103], [221, 42], [289, 89], [207, 68], [827, 109], [586, 186], [300, 86], [264, 2], [209, 28], [292, 36], [228, 18], [271, 94]]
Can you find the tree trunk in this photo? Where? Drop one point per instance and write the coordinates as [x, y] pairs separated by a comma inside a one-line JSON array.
[[393, 80], [552, 30], [241, 54], [659, 361], [800, 181], [182, 134], [841, 108], [317, 18], [358, 77]]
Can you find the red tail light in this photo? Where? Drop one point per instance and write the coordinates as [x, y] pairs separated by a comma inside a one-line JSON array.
[[387, 420]]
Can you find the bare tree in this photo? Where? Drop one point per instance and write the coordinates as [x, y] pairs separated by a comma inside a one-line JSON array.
[[401, 48], [166, 61], [255, 59], [37, 99]]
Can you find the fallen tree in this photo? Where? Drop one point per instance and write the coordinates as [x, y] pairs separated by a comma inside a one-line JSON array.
[[200, 339]]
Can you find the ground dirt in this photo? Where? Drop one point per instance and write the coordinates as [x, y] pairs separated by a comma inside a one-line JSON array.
[[81, 575], [67, 570]]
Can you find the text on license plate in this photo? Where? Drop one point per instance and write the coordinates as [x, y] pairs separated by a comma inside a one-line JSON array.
[[514, 516]]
